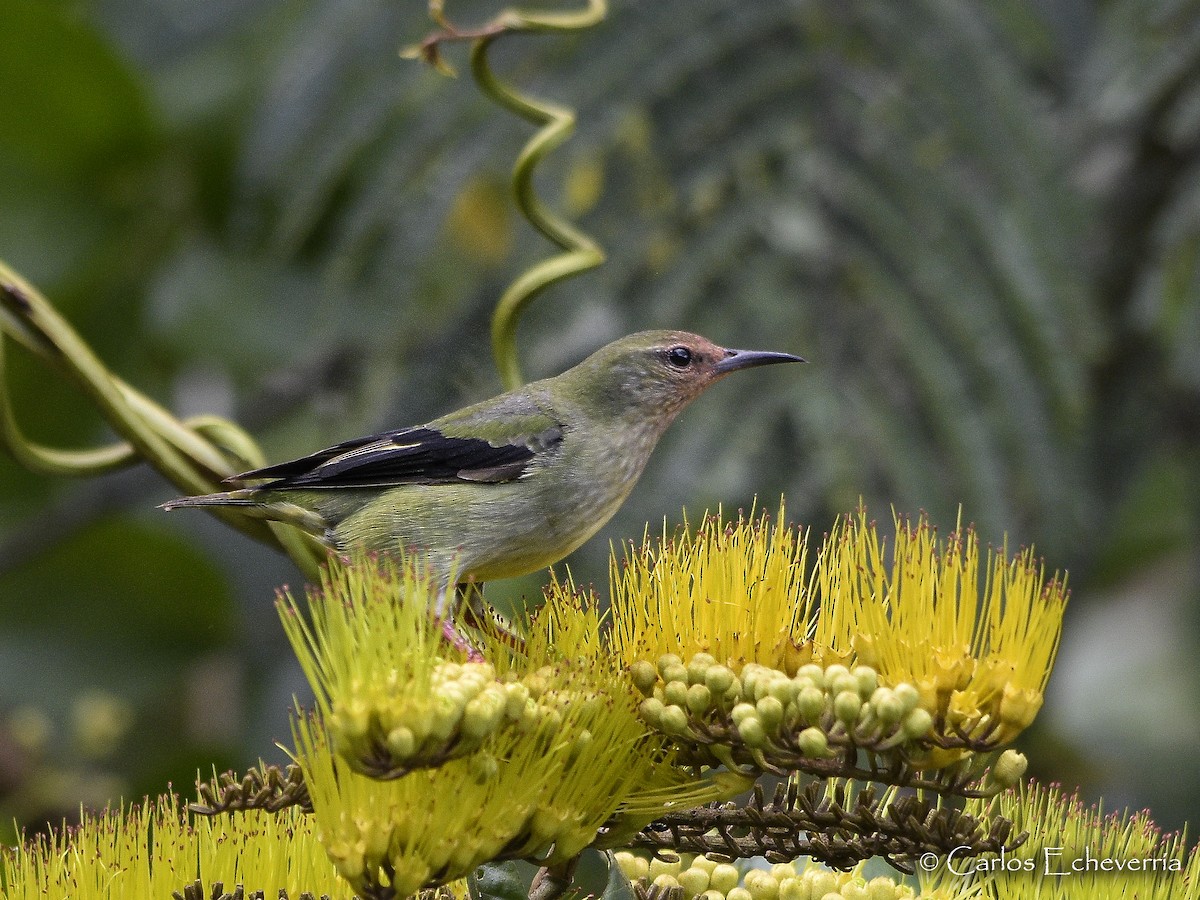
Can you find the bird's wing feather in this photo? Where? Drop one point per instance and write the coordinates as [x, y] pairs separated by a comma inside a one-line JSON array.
[[457, 448]]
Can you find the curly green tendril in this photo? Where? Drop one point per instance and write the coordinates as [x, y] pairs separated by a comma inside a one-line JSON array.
[[580, 252]]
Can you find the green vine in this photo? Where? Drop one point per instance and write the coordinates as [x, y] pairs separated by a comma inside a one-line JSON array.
[[580, 252], [194, 454]]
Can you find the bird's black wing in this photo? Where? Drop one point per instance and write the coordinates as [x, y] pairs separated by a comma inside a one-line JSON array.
[[424, 455]]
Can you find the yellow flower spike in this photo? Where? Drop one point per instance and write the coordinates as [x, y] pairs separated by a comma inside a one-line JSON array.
[[732, 589], [395, 696], [979, 654], [155, 849], [1080, 853], [423, 819]]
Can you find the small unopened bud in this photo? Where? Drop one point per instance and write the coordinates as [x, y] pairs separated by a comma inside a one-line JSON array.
[[675, 673], [401, 743], [644, 676], [822, 883], [665, 882], [699, 699], [724, 878], [770, 711], [793, 888], [761, 885], [813, 742], [867, 678], [811, 703], [883, 888], [673, 720], [483, 714], [693, 881], [698, 667], [651, 711], [1009, 768], [738, 893], [751, 731], [666, 661], [887, 706], [813, 673], [846, 706], [675, 693], [908, 695], [741, 711], [719, 679], [917, 723], [664, 867]]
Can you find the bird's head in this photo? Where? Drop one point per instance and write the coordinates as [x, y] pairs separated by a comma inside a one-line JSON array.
[[657, 373]]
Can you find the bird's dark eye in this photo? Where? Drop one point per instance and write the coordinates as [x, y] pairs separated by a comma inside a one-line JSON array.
[[679, 357]]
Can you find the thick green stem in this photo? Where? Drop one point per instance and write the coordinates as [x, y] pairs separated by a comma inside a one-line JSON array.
[[194, 455]]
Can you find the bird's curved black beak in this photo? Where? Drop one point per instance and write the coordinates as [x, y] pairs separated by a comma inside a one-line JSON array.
[[745, 359]]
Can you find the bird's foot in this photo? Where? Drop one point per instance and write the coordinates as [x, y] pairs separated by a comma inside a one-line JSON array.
[[458, 641], [475, 612]]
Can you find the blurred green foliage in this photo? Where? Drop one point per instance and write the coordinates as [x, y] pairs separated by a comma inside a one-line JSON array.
[[979, 221]]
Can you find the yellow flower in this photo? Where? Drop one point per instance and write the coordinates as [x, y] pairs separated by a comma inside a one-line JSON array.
[[976, 634], [731, 589], [1075, 853], [155, 849]]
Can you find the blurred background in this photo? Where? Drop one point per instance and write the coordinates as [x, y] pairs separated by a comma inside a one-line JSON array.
[[979, 221]]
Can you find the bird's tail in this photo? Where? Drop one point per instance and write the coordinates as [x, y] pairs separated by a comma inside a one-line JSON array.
[[251, 502], [224, 498]]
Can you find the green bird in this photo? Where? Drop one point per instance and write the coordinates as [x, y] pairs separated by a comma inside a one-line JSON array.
[[503, 487]]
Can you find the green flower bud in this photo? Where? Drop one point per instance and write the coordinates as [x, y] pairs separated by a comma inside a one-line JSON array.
[[675, 693], [813, 673], [883, 888], [719, 679], [724, 878], [821, 883], [663, 867], [813, 743], [738, 893], [651, 711], [516, 695], [834, 672], [908, 695], [868, 680], [842, 684], [784, 690], [741, 711], [794, 888], [847, 706], [761, 885], [676, 673], [401, 743], [751, 731], [770, 711], [625, 862], [693, 881], [1009, 768], [917, 724], [710, 894], [853, 891], [673, 721], [887, 706], [665, 882], [811, 704], [780, 871], [699, 700], [644, 676], [698, 667], [666, 661], [704, 863], [484, 767], [483, 715]]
